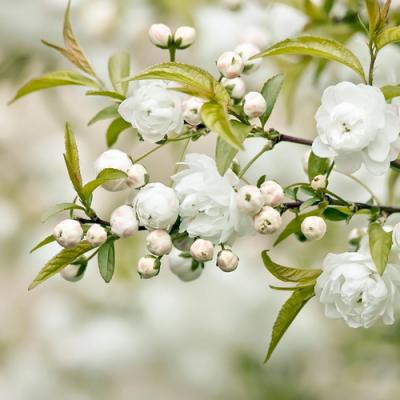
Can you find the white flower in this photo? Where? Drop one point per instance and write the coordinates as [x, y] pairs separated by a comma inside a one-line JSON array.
[[355, 126], [246, 51], [115, 159], [183, 266], [272, 193], [313, 228], [68, 233], [227, 261], [202, 250], [254, 105], [96, 235], [123, 221], [351, 289], [184, 36], [154, 110], [148, 267], [159, 242], [156, 206], [267, 221], [230, 64], [236, 87], [160, 35], [207, 201], [318, 182], [249, 199], [191, 108], [137, 176]]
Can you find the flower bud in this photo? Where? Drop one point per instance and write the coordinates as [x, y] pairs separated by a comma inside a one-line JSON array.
[[202, 250], [272, 193], [396, 235], [123, 221], [319, 182], [254, 105], [306, 157], [160, 35], [184, 267], [249, 199], [68, 233], [115, 159], [191, 108], [227, 261], [230, 64], [148, 267], [236, 87], [159, 242], [313, 228], [184, 37], [96, 235], [267, 221], [246, 51], [137, 176], [75, 271]]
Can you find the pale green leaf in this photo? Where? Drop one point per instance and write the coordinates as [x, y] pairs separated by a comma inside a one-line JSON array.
[[389, 35], [49, 239], [373, 15], [390, 91], [108, 174], [106, 260], [317, 166], [115, 129], [58, 208], [71, 157], [380, 244], [106, 93], [270, 92], [105, 113], [118, 69]]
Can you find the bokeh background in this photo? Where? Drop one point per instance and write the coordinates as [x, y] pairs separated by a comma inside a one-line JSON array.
[[162, 338]]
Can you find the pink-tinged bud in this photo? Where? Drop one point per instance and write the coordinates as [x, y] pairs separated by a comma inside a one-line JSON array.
[[96, 235], [272, 193], [249, 200], [202, 250], [160, 35], [184, 37], [159, 242], [68, 233], [137, 176], [123, 221], [267, 221], [230, 64], [227, 261], [313, 228], [148, 267], [254, 105]]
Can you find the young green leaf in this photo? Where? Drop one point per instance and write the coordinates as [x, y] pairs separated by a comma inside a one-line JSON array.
[[389, 35], [119, 68], [71, 157], [108, 174], [287, 314], [380, 244], [54, 79], [373, 15], [317, 166], [58, 208], [337, 214], [106, 260], [270, 92], [59, 262], [106, 93], [115, 129], [288, 274], [105, 113], [49, 239], [318, 47], [390, 92], [224, 152], [215, 118]]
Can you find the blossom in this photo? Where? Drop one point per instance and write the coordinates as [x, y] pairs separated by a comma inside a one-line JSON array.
[[207, 201], [96, 235], [160, 35], [159, 242], [154, 110], [182, 266], [123, 221], [184, 36], [227, 261], [202, 250], [355, 126], [313, 227], [230, 64], [148, 267], [351, 289], [68, 233]]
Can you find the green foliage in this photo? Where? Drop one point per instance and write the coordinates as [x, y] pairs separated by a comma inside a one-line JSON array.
[[317, 166], [337, 214], [58, 208], [116, 127], [106, 93], [105, 113], [106, 260], [390, 91], [373, 15], [389, 35], [270, 92], [49, 239], [108, 174], [380, 244], [119, 68]]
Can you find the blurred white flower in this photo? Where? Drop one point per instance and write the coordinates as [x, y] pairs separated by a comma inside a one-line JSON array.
[[246, 51], [182, 266]]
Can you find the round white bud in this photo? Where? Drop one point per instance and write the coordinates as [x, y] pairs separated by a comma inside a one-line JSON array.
[[230, 64], [159, 242], [184, 37], [272, 193], [68, 233], [254, 105], [227, 261], [115, 159], [396, 235], [202, 250], [96, 235], [182, 266], [246, 51], [75, 271], [306, 157], [236, 87], [249, 199], [137, 176], [319, 182], [148, 267], [267, 221], [160, 35], [191, 108], [123, 221], [313, 228]]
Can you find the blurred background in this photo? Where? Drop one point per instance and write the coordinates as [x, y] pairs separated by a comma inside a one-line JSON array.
[[162, 338]]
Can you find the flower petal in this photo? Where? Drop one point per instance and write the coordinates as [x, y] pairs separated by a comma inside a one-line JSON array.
[[348, 163], [321, 149]]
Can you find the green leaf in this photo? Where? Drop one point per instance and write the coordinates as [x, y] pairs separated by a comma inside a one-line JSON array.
[[318, 47], [390, 91], [288, 274], [106, 93], [215, 118], [105, 113], [270, 92], [71, 157], [287, 314], [373, 15], [389, 35], [317, 166], [54, 79], [337, 214], [224, 152], [49, 239], [58, 208], [119, 66], [380, 244], [195, 79], [108, 174], [115, 129], [106, 260], [59, 262]]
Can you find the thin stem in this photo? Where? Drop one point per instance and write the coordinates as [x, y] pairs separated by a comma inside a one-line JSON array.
[[172, 53], [154, 149], [181, 157], [373, 55], [253, 160]]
